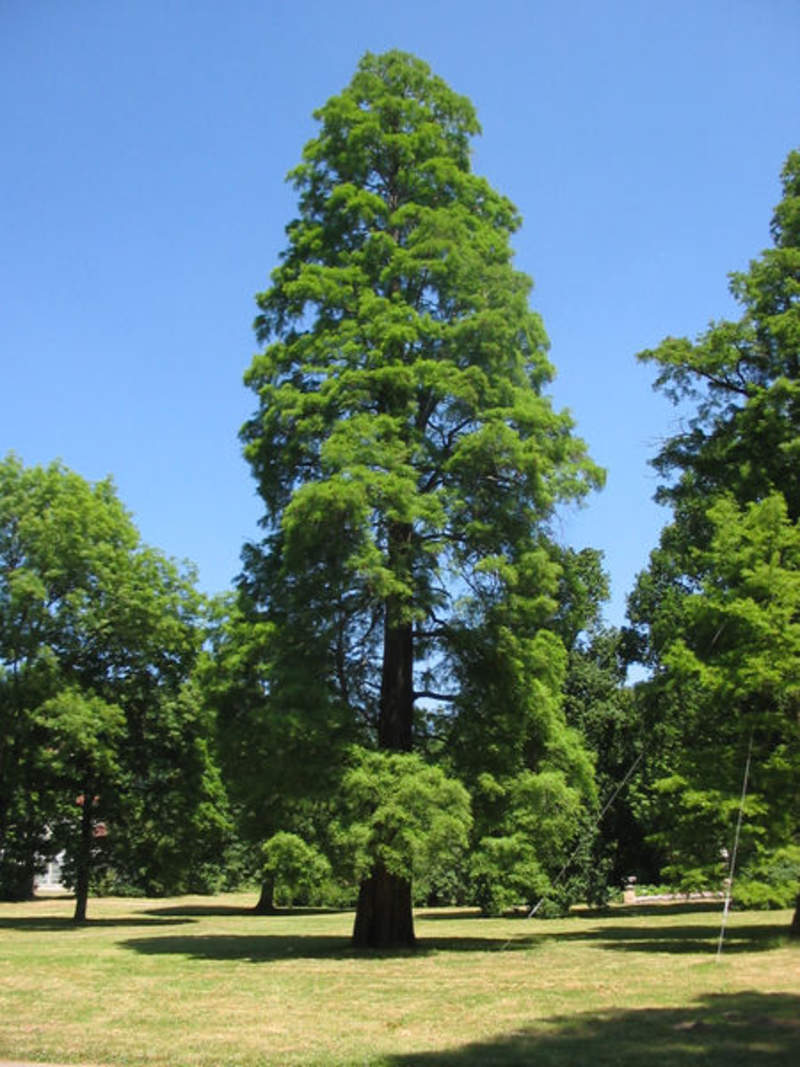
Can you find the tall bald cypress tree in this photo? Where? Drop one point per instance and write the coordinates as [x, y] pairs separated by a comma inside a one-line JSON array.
[[718, 609], [406, 454]]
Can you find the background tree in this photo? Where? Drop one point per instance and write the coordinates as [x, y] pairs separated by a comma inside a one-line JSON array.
[[604, 709], [716, 612], [743, 381], [84, 735], [98, 640], [733, 669], [403, 445], [292, 866], [275, 734]]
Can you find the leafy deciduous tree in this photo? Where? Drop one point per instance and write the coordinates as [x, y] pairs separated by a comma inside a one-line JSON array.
[[98, 639]]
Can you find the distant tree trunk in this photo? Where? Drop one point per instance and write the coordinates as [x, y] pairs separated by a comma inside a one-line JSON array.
[[384, 914], [794, 929], [84, 858], [266, 900]]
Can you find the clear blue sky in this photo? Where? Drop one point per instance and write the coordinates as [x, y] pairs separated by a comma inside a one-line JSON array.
[[142, 204]]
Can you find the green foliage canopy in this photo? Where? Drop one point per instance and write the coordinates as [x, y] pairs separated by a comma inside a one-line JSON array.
[[98, 638], [402, 814], [292, 866], [718, 610]]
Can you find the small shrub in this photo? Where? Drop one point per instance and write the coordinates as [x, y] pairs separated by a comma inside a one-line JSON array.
[[770, 882], [297, 868], [551, 909]]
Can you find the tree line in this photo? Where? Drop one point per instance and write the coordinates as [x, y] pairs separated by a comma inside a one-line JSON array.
[[410, 694]]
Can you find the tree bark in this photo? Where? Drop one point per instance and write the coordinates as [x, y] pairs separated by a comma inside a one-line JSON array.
[[84, 859], [266, 900], [384, 916], [794, 929], [395, 722], [384, 913]]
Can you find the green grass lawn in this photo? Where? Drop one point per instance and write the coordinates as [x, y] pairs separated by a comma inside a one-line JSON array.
[[204, 981]]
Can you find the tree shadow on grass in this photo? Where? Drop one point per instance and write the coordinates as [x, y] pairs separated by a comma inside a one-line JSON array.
[[618, 911], [585, 914], [211, 910], [631, 934], [681, 939], [256, 948], [718, 1030], [66, 922], [264, 948], [200, 910], [676, 907], [673, 938], [434, 915]]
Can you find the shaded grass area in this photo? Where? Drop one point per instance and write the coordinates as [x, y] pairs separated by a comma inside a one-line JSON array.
[[718, 1030], [65, 923], [200, 981]]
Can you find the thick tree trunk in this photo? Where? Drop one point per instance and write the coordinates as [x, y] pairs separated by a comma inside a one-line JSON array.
[[384, 914], [384, 917], [84, 859], [266, 900], [794, 929], [397, 688]]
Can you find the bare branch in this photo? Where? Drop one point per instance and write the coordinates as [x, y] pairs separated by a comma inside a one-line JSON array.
[[430, 694]]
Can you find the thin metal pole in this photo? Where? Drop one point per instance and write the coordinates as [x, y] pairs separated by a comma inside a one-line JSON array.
[[729, 886]]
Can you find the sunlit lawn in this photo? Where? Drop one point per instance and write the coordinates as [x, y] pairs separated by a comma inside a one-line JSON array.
[[204, 981]]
